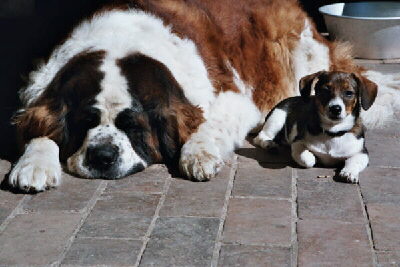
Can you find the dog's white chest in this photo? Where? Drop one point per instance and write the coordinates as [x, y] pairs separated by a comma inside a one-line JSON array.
[[330, 149]]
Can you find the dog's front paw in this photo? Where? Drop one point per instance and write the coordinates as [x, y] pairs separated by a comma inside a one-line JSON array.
[[39, 168], [200, 162], [263, 142], [348, 176]]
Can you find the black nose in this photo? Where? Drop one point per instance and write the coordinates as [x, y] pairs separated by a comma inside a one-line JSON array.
[[335, 110], [102, 157]]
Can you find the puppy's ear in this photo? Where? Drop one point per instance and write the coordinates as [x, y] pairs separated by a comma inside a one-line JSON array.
[[306, 83], [368, 91]]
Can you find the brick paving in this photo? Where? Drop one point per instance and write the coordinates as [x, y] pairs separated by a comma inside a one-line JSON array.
[[259, 211]]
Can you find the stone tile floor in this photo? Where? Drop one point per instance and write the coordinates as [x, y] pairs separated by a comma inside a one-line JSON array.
[[259, 211]]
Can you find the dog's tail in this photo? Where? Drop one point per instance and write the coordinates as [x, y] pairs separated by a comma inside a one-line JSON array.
[[387, 103]]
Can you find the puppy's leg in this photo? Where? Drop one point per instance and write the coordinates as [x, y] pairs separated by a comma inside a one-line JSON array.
[[353, 166], [302, 155], [39, 167], [228, 121], [274, 123]]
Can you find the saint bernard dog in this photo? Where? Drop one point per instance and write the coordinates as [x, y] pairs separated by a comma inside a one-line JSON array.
[[172, 81]]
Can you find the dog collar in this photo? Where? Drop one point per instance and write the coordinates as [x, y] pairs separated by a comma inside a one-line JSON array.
[[335, 134]]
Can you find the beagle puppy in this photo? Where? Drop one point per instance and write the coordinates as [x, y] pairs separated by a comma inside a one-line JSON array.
[[325, 127]]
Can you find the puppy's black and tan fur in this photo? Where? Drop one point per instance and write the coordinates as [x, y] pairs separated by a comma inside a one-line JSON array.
[[326, 127]]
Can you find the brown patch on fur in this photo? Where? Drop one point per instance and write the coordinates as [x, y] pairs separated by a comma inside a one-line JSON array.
[[39, 121], [341, 57], [368, 91], [320, 106], [150, 139], [188, 120], [358, 128], [350, 105]]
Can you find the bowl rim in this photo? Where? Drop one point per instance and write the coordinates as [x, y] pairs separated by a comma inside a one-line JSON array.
[[320, 9]]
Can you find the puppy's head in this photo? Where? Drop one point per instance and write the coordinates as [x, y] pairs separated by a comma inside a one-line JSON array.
[[339, 94], [112, 117]]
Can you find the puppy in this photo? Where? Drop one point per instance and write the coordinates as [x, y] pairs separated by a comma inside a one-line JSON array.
[[325, 127]]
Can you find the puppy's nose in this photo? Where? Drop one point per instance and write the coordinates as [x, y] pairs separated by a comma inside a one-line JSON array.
[[335, 110], [102, 157]]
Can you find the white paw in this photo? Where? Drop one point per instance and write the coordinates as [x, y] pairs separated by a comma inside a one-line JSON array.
[[262, 142], [199, 161], [39, 168], [349, 176], [306, 159]]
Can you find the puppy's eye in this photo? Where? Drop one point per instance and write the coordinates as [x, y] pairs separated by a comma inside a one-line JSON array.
[[348, 93]]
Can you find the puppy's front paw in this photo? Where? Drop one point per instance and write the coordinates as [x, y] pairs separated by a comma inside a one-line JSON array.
[[348, 176], [306, 159], [39, 168], [263, 142], [200, 162]]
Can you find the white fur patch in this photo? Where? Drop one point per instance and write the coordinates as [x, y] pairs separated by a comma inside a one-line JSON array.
[[330, 150], [332, 126], [230, 118], [387, 102], [114, 96], [272, 126], [244, 88], [309, 56], [353, 166], [337, 101], [39, 168], [302, 155]]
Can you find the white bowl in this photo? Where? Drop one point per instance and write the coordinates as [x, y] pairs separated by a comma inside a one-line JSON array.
[[373, 28]]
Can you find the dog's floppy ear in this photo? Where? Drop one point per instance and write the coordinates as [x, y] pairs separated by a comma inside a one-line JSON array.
[[78, 80], [171, 115], [306, 83], [368, 91]]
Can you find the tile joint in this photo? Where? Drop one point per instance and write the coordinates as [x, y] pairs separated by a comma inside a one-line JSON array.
[[151, 227], [368, 226], [224, 212]]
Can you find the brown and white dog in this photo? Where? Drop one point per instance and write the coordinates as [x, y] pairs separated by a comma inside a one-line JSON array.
[[173, 81], [326, 127]]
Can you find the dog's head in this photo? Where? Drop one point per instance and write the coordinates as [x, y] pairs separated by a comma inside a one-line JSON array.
[[112, 117], [339, 95]]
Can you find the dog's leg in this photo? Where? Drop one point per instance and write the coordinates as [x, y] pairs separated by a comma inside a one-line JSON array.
[[353, 166], [228, 121], [302, 155], [39, 167], [274, 123]]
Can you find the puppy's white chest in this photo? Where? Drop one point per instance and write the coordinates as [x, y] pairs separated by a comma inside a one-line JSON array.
[[331, 148]]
